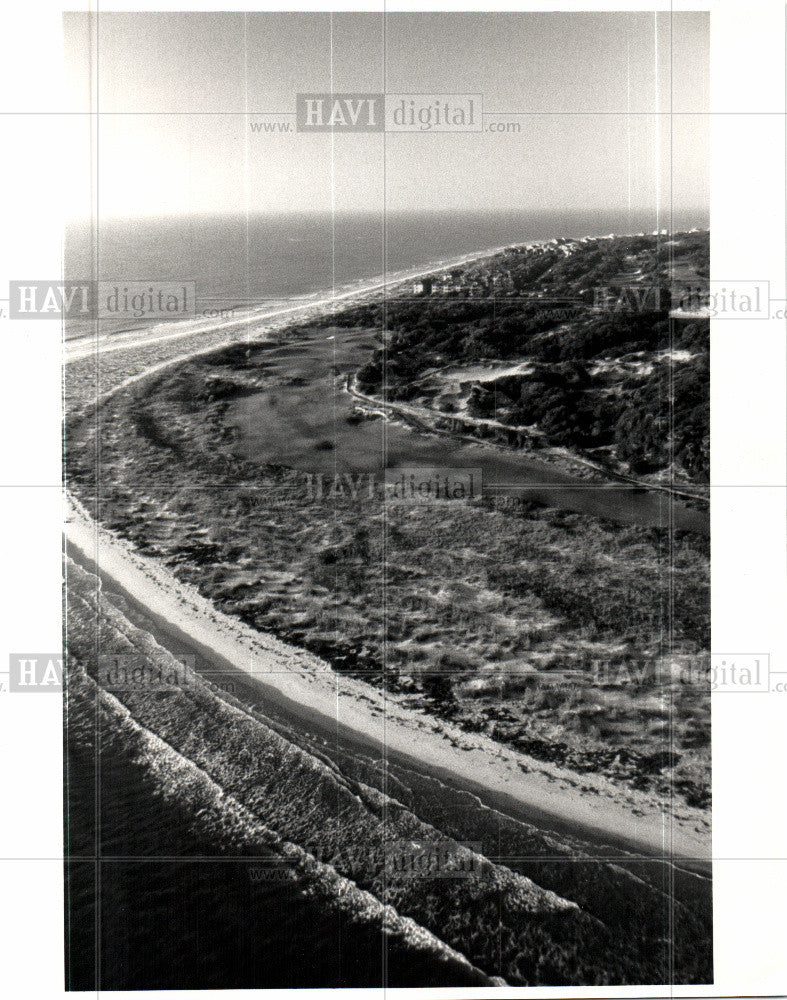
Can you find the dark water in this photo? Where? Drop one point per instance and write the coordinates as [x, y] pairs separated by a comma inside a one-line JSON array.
[[302, 422], [166, 908], [236, 260], [161, 910]]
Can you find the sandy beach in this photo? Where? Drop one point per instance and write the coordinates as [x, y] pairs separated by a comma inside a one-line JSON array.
[[590, 805], [385, 453], [309, 307]]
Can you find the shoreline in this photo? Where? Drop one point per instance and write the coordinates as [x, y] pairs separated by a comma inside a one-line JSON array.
[[311, 309], [587, 804], [320, 300], [77, 348], [603, 811]]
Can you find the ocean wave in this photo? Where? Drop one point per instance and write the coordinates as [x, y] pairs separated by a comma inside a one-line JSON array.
[[503, 922]]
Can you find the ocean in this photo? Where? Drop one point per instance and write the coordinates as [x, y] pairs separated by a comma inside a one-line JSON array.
[[170, 907], [250, 260]]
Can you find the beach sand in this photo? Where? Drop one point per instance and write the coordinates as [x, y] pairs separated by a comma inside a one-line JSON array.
[[593, 807]]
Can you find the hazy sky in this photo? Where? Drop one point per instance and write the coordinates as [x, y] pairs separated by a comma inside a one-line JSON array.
[[177, 93]]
